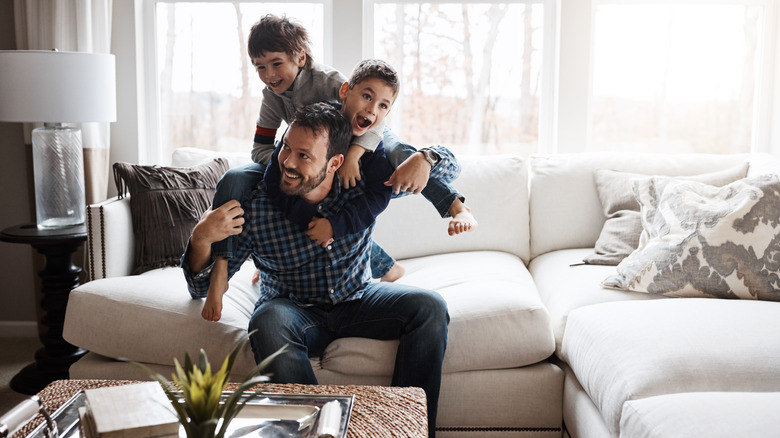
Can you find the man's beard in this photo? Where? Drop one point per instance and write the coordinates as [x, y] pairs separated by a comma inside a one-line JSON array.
[[306, 184]]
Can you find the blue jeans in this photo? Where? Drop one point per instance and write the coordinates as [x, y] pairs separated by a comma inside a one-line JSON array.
[[236, 184], [387, 311], [381, 261], [438, 192]]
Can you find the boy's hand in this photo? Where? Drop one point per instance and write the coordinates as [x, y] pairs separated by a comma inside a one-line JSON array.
[[320, 231], [350, 169], [350, 173], [411, 176]]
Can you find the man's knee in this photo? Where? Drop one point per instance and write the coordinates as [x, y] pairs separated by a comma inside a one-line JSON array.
[[431, 305]]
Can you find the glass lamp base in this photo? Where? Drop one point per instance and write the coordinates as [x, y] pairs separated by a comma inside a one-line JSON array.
[[59, 176]]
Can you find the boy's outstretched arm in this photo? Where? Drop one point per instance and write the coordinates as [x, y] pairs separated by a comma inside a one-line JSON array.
[[361, 212]]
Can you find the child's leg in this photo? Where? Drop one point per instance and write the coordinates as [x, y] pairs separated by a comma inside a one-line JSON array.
[[384, 266], [212, 308], [462, 219], [235, 184]]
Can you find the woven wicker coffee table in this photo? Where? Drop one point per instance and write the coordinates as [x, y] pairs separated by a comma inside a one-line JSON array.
[[378, 411]]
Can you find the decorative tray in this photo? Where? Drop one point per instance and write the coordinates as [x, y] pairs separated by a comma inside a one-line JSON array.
[[271, 415]]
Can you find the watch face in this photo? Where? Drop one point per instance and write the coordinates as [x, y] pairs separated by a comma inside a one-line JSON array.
[[430, 157]]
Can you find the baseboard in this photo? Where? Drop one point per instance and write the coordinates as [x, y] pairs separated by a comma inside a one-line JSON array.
[[18, 329]]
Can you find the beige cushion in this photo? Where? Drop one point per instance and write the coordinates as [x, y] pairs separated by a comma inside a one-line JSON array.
[[629, 350], [490, 295], [702, 415], [496, 191], [620, 234], [565, 284], [706, 241]]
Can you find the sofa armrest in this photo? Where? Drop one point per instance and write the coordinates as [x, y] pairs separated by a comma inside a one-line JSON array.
[[109, 238]]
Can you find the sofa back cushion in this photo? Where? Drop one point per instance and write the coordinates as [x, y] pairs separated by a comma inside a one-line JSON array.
[[565, 210], [496, 190]]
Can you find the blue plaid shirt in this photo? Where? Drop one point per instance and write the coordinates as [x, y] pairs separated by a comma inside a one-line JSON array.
[[292, 265]]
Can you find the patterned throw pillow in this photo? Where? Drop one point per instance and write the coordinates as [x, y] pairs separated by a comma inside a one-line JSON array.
[[705, 241], [165, 204], [620, 233]]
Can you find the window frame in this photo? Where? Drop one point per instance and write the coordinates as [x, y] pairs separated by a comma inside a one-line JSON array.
[[565, 111]]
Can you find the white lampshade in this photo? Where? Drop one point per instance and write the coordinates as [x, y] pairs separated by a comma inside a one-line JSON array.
[[58, 87]]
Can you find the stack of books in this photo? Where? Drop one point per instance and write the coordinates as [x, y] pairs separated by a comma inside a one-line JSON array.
[[130, 411]]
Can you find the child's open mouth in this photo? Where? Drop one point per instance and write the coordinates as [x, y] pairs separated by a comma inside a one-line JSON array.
[[363, 122]]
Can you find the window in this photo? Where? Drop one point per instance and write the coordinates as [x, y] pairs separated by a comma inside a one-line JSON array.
[[471, 73], [209, 93], [482, 77], [676, 77]]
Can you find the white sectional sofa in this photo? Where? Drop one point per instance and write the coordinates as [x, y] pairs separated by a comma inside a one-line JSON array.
[[537, 347]]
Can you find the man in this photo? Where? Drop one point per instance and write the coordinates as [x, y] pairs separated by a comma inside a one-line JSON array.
[[311, 295]]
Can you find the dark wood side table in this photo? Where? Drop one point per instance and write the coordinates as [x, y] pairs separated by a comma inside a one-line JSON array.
[[59, 277]]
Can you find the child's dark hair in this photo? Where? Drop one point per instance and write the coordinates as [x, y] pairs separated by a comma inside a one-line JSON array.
[[322, 116], [279, 34], [375, 68]]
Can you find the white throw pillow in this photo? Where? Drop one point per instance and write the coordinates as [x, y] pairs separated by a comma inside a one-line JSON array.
[[704, 241]]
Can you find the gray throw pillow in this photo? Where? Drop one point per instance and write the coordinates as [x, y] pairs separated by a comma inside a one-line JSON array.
[[705, 241], [165, 205], [620, 234]]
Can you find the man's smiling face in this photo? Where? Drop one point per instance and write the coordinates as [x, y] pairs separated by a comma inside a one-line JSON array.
[[303, 161]]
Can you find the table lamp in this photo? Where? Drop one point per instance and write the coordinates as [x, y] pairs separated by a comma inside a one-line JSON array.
[[57, 88]]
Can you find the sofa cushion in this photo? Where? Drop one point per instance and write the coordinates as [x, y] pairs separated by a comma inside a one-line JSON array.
[[565, 211], [706, 241], [702, 415], [629, 350], [490, 295], [152, 318], [620, 234], [565, 284], [496, 190], [166, 203]]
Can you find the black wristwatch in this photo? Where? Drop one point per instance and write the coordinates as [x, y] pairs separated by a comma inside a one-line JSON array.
[[431, 156]]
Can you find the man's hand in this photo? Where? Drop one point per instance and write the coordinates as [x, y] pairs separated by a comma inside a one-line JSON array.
[[214, 225], [320, 231], [411, 176], [219, 224]]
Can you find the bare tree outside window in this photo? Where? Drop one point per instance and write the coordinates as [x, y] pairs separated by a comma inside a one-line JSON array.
[[470, 74], [209, 92]]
